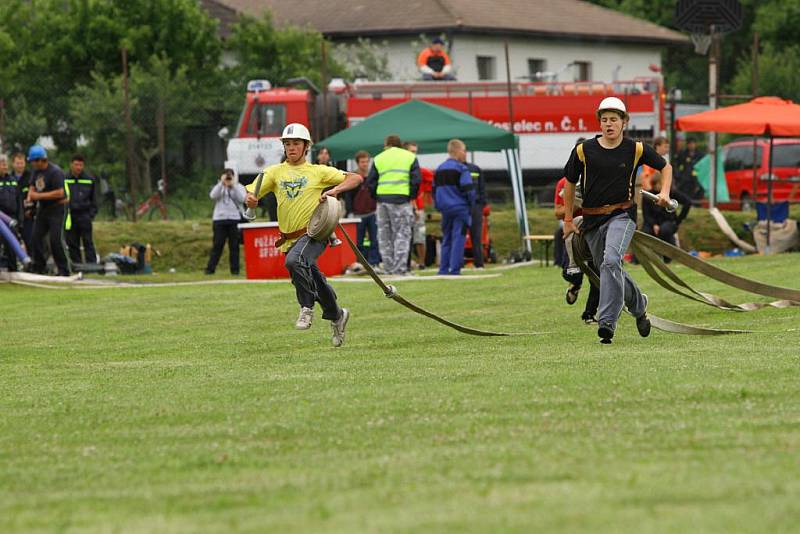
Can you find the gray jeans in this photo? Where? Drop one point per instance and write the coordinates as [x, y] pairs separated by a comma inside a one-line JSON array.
[[608, 243], [309, 283], [395, 226]]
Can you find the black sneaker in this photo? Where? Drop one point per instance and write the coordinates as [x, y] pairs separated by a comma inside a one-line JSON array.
[[605, 334], [572, 294], [588, 318], [643, 322]]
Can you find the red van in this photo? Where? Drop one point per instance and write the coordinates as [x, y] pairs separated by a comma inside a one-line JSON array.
[[743, 181]]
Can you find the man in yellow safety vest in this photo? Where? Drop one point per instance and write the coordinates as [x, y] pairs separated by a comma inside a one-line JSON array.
[[393, 181]]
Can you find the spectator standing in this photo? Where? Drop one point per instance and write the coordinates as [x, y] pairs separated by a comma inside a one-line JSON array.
[[324, 156], [686, 179], [434, 63], [661, 146], [82, 191], [394, 180], [364, 207], [476, 220], [23, 178], [419, 234], [454, 194], [47, 190], [10, 205], [661, 223], [228, 196]]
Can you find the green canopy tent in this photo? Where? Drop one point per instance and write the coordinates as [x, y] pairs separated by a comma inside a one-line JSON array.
[[431, 127]]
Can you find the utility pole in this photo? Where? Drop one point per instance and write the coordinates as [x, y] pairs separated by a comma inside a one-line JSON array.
[[133, 174], [323, 133], [713, 77], [508, 88]]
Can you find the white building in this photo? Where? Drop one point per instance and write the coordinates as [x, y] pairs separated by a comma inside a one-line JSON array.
[[570, 39]]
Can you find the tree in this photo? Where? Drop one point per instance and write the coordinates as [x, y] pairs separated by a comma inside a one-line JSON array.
[[778, 73], [23, 125], [48, 47], [364, 59], [159, 107], [262, 51]]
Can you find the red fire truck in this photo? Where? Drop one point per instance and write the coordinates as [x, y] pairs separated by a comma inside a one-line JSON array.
[[548, 116]]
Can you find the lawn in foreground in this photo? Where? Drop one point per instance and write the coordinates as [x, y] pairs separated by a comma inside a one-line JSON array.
[[200, 409]]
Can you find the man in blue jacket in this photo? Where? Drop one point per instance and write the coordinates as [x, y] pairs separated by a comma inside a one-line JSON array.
[[454, 196], [83, 208]]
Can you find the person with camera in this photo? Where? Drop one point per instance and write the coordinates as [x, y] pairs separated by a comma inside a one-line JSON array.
[[228, 195]]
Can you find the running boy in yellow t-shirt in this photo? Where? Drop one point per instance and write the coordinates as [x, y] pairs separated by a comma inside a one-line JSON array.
[[299, 187]]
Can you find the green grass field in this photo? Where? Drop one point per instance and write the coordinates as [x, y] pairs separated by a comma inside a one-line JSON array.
[[200, 409]]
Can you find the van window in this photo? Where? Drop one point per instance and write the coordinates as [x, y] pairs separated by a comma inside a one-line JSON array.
[[267, 120], [786, 156], [741, 157]]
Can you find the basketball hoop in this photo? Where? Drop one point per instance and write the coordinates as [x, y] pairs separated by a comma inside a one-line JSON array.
[[702, 42], [704, 18]]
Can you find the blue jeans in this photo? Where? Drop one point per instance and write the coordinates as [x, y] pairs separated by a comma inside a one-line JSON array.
[[608, 243], [454, 232], [310, 284], [368, 226]]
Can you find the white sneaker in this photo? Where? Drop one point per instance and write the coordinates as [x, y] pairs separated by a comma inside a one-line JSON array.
[[338, 327], [304, 319]]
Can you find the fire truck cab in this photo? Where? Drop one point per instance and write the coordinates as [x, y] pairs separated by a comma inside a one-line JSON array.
[[267, 110]]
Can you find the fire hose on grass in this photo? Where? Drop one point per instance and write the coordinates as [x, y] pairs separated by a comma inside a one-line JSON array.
[[323, 223], [6, 230], [649, 250]]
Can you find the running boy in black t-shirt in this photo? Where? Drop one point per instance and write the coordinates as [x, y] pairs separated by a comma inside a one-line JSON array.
[[606, 169]]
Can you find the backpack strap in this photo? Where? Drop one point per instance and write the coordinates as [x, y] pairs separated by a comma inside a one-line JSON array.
[[582, 157], [634, 189]]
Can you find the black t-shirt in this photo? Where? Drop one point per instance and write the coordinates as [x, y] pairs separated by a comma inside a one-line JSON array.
[[50, 179], [610, 176]]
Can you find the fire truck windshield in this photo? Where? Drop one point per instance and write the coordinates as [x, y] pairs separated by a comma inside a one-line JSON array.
[[267, 120]]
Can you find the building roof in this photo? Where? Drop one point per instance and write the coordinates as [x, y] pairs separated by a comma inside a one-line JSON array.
[[545, 18], [226, 15]]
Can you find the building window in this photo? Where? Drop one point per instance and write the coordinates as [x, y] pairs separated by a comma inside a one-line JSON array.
[[487, 68], [583, 71], [536, 68]]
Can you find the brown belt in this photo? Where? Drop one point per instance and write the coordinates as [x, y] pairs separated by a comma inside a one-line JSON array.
[[291, 235], [608, 208]]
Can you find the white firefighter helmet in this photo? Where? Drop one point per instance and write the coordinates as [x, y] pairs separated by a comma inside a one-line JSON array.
[[296, 130], [612, 103]]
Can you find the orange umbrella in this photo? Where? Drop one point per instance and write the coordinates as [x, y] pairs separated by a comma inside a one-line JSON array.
[[766, 115]]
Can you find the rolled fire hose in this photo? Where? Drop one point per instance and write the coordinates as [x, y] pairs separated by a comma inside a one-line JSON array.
[[583, 256], [11, 240]]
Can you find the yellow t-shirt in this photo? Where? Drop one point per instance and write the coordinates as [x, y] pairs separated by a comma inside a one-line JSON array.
[[297, 188]]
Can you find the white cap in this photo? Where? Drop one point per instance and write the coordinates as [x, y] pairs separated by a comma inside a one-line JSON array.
[[296, 130], [611, 103]]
